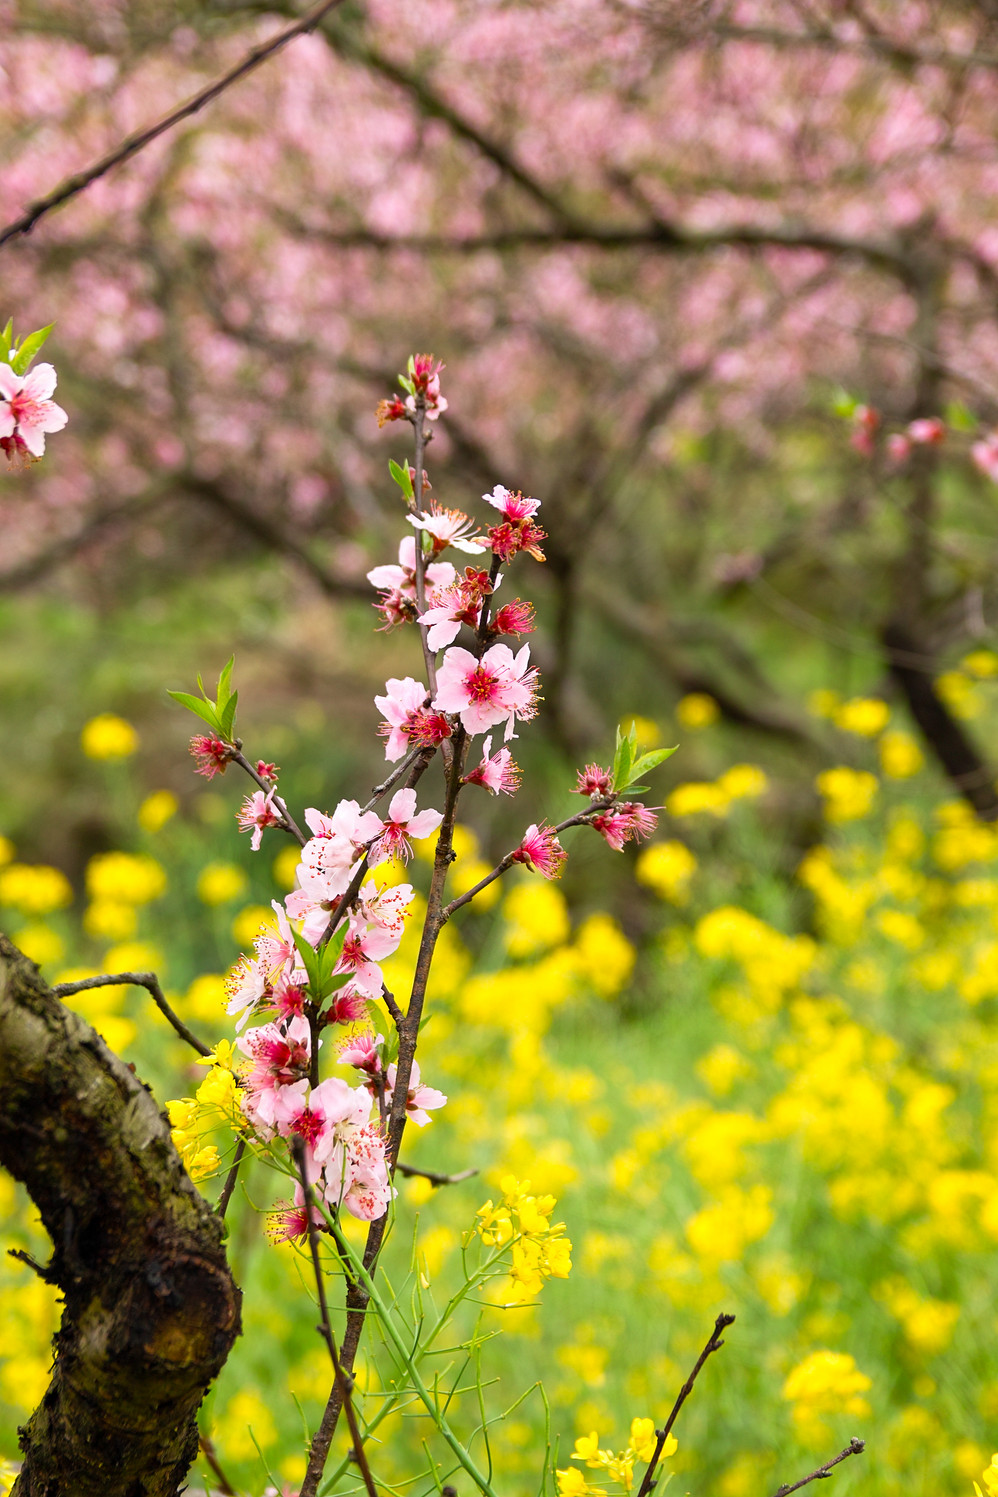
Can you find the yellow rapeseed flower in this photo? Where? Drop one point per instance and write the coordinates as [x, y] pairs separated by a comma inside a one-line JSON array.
[[847, 793], [980, 663], [666, 867], [285, 866], [125, 878], [697, 796], [157, 809], [960, 694], [900, 755], [34, 888], [865, 716], [41, 944], [219, 883], [108, 737], [697, 710], [743, 782]]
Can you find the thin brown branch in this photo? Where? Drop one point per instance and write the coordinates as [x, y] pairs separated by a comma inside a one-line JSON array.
[[34, 1265], [325, 1329], [714, 1344], [855, 1447], [410, 1170], [147, 980], [230, 1179], [208, 1451], [80, 181]]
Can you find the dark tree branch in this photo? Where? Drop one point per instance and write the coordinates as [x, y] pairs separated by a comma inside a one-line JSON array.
[[714, 1344], [80, 181], [855, 1447], [151, 1310], [432, 1175], [944, 735], [147, 980]]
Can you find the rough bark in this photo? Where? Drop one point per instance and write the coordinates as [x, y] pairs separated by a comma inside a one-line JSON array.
[[150, 1308]]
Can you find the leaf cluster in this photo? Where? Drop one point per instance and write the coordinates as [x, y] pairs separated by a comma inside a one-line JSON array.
[[219, 712]]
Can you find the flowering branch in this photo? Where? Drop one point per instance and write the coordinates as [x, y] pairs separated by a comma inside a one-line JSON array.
[[147, 980], [325, 1329], [714, 1344], [855, 1447], [135, 143]]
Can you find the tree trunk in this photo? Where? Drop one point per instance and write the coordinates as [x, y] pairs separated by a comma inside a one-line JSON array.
[[150, 1308]]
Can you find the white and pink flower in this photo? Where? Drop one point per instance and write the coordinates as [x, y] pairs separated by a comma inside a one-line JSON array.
[[449, 527], [497, 773], [258, 811], [541, 851], [401, 577], [26, 410], [500, 687], [408, 720], [420, 1099], [402, 823], [622, 822]]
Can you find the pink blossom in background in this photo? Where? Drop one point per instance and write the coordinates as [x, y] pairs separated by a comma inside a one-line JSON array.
[[257, 812]]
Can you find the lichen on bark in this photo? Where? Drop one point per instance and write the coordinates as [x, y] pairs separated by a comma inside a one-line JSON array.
[[150, 1307]]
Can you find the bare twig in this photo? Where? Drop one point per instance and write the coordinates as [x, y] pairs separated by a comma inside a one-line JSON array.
[[230, 1179], [342, 1379], [433, 1176], [388, 999], [208, 1451], [135, 143], [35, 1266], [714, 1344], [855, 1447], [145, 980]]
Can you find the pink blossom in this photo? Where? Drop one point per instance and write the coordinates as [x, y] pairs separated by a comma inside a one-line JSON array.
[[898, 447], [364, 1052], [513, 536], [408, 722], [402, 578], [266, 770], [364, 1186], [498, 774], [26, 412], [211, 753], [280, 1055], [363, 948], [340, 838], [450, 607], [258, 811], [346, 1006], [593, 781], [449, 527], [499, 687], [401, 824], [985, 455], [541, 851], [419, 1099], [512, 506], [514, 618], [387, 907], [622, 822], [247, 988], [927, 430], [289, 1223]]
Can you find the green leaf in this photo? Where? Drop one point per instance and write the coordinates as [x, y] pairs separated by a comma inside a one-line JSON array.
[[959, 417], [203, 709], [223, 690], [227, 716], [624, 757], [21, 361], [844, 404], [310, 959], [402, 477], [5, 338], [641, 765]]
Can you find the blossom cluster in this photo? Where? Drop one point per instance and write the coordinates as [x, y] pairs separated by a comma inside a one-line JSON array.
[[522, 1222]]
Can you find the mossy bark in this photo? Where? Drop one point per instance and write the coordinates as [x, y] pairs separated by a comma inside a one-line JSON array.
[[150, 1308]]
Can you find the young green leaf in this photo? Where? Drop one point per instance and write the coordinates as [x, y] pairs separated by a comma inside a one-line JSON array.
[[21, 360], [402, 477], [224, 688], [227, 716], [641, 765], [203, 709], [5, 338]]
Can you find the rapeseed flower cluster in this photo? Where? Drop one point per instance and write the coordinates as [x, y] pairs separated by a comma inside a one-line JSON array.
[[521, 1223], [618, 1467]]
